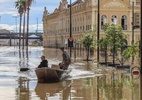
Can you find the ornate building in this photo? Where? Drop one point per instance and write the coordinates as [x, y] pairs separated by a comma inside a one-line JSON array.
[[56, 25]]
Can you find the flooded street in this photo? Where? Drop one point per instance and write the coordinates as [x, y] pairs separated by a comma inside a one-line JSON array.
[[86, 81]]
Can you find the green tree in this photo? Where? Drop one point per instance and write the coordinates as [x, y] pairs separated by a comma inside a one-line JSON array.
[[115, 38], [103, 46], [88, 41], [129, 52]]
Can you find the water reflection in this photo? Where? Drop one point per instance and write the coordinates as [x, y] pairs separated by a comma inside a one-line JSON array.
[[54, 90], [87, 82], [23, 92], [118, 86]]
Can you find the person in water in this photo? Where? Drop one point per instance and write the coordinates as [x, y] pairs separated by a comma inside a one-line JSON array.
[[65, 59], [43, 63]]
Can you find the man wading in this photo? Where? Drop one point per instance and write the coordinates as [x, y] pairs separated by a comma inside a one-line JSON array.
[[66, 59]]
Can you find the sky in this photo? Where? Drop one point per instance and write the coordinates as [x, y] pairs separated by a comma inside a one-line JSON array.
[[9, 14]]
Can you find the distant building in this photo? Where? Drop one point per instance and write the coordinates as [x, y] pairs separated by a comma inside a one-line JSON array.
[[4, 31], [56, 25], [34, 40], [8, 38]]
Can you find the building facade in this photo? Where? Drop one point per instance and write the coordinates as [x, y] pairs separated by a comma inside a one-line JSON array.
[[56, 25]]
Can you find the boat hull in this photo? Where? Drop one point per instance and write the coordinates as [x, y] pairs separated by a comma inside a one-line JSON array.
[[47, 75]]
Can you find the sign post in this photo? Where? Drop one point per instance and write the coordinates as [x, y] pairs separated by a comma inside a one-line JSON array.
[[70, 42]]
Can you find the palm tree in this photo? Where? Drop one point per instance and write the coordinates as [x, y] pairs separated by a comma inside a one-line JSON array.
[[28, 4], [24, 24], [19, 4]]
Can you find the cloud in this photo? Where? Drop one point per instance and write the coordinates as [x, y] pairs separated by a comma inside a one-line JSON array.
[[5, 1], [7, 7], [32, 28], [8, 27], [7, 10]]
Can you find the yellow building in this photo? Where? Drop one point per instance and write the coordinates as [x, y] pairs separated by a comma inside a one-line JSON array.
[[56, 25]]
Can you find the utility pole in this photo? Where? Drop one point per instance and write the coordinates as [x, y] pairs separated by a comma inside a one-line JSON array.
[[16, 27], [132, 42], [70, 26], [0, 18], [141, 50], [141, 36], [132, 22], [98, 32], [37, 25]]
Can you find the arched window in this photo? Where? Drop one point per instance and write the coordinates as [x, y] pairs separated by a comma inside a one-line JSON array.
[[103, 21], [124, 22], [114, 19]]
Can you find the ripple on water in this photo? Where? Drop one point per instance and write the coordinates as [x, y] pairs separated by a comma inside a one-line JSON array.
[[77, 74]]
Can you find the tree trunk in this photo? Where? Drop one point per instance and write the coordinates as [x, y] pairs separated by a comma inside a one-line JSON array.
[[27, 41], [20, 31], [106, 54], [23, 31], [87, 55]]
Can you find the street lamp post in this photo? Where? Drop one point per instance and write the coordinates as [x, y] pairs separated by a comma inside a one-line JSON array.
[[132, 42], [70, 24], [141, 50], [132, 22], [16, 28], [141, 36], [98, 32], [12, 36], [37, 25]]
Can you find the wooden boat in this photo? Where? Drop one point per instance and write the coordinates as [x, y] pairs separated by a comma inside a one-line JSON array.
[[53, 74]]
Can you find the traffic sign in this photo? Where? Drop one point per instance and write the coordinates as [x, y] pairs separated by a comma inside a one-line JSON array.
[[70, 42]]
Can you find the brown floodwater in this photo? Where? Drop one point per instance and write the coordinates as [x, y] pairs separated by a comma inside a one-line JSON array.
[[87, 81]]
